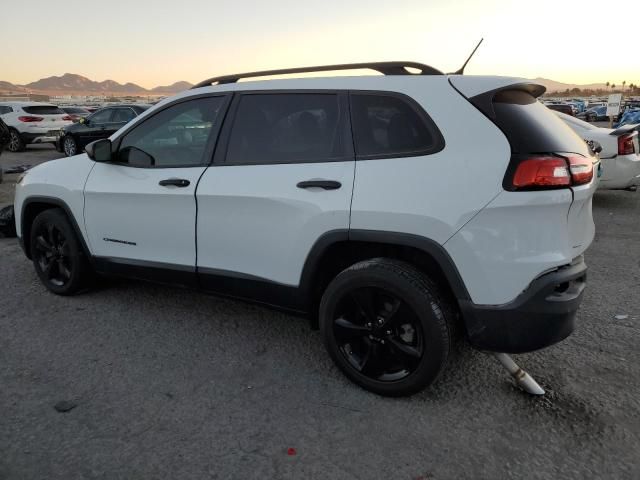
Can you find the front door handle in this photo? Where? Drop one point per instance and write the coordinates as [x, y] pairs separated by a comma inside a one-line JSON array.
[[176, 182], [325, 184]]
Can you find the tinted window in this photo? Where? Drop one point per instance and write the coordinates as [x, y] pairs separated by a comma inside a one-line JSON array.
[[283, 128], [123, 115], [388, 125], [177, 136], [101, 116], [531, 127], [74, 110], [4, 110], [43, 110]]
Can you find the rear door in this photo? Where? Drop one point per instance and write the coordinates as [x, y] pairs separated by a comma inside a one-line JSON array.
[[53, 118], [282, 177]]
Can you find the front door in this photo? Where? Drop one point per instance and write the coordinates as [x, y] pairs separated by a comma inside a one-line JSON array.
[[282, 178], [140, 210]]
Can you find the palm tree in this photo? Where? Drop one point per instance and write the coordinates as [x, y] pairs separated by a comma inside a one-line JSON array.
[[624, 82], [607, 84], [613, 86]]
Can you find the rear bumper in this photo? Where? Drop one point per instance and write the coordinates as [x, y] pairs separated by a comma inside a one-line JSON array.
[[541, 316], [620, 172], [33, 137]]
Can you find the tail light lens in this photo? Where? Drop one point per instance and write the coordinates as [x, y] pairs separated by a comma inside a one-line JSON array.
[[625, 145], [581, 169], [29, 118], [541, 172], [549, 172], [67, 118]]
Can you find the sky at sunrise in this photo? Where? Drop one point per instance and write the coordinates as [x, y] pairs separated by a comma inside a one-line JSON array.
[[159, 42]]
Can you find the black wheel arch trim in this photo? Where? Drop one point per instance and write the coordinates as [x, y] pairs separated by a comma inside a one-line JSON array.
[[427, 245], [55, 203]]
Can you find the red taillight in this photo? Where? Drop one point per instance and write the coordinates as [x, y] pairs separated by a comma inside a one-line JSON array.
[[625, 145], [30, 119], [68, 118], [541, 172], [581, 169]]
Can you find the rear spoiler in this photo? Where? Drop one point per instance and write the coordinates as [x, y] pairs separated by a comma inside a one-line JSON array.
[[626, 129]]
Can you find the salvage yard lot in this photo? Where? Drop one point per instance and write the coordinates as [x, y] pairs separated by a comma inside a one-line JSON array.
[[175, 384]]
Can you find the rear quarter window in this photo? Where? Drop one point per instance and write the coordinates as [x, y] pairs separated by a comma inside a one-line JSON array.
[[43, 110], [391, 126]]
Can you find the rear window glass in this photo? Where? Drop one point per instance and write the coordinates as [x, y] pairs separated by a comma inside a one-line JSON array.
[[43, 110], [385, 125], [531, 127]]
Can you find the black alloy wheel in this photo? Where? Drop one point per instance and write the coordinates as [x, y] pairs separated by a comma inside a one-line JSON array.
[[378, 334], [53, 255], [386, 326], [57, 255]]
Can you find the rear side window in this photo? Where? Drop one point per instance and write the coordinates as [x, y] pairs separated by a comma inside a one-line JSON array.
[[389, 126], [287, 128], [43, 110], [123, 115], [531, 127]]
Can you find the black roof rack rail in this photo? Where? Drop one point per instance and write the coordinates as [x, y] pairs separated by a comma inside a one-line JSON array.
[[386, 68]]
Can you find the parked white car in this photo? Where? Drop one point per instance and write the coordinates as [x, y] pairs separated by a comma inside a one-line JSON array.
[[620, 153], [32, 122], [362, 202]]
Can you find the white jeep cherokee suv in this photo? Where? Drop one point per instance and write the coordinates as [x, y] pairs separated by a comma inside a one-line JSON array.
[[388, 208], [32, 122]]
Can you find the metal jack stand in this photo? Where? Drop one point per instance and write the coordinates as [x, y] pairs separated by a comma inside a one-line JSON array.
[[522, 378]]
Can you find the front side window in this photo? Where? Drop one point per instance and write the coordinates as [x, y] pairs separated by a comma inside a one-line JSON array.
[[101, 116], [176, 136], [287, 128], [123, 115], [386, 125]]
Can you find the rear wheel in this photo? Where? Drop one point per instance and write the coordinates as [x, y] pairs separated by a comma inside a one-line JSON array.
[[15, 142], [57, 255], [386, 326], [69, 146]]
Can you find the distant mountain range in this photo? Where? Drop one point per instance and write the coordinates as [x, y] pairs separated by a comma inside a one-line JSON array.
[[72, 84], [553, 86]]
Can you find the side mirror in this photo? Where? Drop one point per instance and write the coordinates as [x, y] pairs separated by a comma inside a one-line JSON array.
[[100, 150], [83, 120]]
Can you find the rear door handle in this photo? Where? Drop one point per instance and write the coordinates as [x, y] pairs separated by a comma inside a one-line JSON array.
[[325, 184], [176, 182]]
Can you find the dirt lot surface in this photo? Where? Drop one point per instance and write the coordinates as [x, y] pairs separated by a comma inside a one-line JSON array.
[[174, 384]]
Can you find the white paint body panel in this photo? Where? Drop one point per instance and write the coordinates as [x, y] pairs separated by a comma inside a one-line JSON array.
[[62, 179], [252, 219], [127, 204], [434, 195]]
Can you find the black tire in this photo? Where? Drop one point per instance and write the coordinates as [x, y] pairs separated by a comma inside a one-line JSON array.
[[69, 146], [15, 142], [405, 330], [57, 254]]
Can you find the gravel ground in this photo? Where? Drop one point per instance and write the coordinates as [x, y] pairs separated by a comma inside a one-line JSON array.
[[175, 384]]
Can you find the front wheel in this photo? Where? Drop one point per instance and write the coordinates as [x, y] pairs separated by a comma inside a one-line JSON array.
[[69, 146], [57, 254], [386, 326]]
